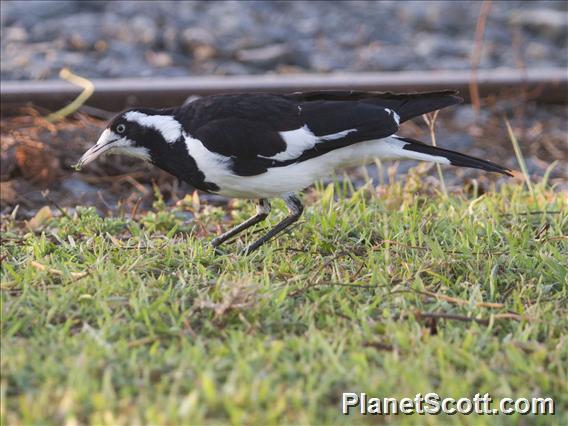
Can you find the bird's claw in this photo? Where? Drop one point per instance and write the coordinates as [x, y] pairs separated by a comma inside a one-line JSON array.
[[218, 251], [249, 249]]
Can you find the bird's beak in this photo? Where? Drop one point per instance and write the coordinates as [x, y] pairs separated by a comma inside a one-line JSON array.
[[107, 141]]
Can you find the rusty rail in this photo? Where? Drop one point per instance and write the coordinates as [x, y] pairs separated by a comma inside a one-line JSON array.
[[543, 85]]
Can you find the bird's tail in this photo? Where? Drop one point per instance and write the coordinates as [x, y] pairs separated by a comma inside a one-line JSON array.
[[416, 104], [416, 150]]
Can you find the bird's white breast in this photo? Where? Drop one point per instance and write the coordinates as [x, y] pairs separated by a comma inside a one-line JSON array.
[[290, 178]]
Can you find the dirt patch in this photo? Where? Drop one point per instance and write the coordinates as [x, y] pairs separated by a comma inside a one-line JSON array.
[[36, 167]]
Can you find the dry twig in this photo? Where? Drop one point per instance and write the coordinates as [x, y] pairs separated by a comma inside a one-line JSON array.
[[476, 55], [483, 321], [41, 267], [457, 301]]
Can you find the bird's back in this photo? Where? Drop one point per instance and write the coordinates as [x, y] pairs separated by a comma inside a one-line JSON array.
[[254, 127], [407, 105]]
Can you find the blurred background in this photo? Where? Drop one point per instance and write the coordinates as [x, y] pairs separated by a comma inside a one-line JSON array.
[[163, 38], [124, 39]]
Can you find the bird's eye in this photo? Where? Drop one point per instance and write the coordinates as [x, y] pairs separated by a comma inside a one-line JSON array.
[[121, 128]]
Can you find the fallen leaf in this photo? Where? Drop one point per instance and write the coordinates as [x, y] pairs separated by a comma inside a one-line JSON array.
[[40, 218], [37, 162], [42, 267], [196, 203], [8, 194]]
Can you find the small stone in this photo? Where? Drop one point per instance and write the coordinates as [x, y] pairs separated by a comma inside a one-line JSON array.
[[465, 116], [16, 35], [265, 56], [144, 29], [159, 59], [546, 21], [76, 42], [101, 46], [191, 38], [204, 52], [78, 187]]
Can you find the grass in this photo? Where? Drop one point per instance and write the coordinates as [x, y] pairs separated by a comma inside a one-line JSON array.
[[161, 331]]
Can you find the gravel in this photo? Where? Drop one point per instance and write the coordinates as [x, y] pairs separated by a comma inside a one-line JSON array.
[[108, 39]]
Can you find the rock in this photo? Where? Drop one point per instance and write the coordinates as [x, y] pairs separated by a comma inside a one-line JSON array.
[[168, 40], [8, 193], [8, 158], [143, 30], [540, 18], [546, 21], [192, 37], [37, 162], [78, 188], [159, 59], [15, 34], [461, 142], [225, 67], [386, 58], [466, 116], [535, 167], [537, 51], [268, 56], [436, 46], [252, 37], [34, 11], [204, 52]]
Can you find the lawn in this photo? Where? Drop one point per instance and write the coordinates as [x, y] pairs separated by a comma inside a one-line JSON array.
[[391, 291]]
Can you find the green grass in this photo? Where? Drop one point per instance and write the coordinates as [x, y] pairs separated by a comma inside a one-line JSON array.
[[162, 331]]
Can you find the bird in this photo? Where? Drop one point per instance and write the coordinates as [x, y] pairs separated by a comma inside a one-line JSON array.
[[263, 146]]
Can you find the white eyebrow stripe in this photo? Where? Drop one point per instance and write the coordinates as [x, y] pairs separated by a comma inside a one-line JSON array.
[[167, 125]]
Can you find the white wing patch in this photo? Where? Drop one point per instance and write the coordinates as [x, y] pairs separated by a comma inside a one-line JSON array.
[[394, 115], [338, 135], [167, 125], [297, 141], [300, 140]]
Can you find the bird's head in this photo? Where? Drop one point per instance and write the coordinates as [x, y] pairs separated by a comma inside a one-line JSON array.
[[138, 133]]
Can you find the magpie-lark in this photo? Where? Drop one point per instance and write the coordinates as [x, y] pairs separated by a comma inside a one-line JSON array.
[[262, 146]]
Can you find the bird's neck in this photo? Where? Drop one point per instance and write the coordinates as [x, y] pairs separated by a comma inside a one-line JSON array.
[[177, 161]]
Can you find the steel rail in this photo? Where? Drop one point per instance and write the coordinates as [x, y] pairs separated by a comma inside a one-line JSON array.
[[542, 85]]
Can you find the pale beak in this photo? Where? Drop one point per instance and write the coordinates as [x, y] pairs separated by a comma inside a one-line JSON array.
[[107, 141]]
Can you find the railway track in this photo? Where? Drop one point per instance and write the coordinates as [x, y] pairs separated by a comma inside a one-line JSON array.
[[541, 85]]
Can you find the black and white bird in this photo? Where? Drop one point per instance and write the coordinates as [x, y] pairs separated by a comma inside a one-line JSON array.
[[262, 146]]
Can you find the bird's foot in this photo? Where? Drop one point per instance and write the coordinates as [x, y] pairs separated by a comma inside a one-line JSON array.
[[216, 242], [251, 247], [218, 251]]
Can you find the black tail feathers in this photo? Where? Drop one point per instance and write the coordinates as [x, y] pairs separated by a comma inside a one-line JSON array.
[[406, 105], [455, 158], [416, 104]]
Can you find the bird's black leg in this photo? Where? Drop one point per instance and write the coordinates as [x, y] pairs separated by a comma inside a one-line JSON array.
[[262, 211], [296, 208]]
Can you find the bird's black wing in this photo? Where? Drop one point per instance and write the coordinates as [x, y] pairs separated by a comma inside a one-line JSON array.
[[249, 144], [274, 111], [406, 105], [260, 131]]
